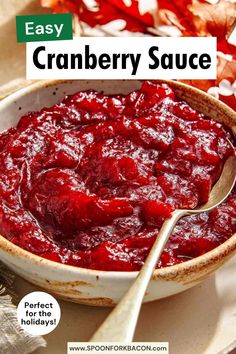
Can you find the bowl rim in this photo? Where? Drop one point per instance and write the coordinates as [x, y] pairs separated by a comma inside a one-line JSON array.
[[177, 271]]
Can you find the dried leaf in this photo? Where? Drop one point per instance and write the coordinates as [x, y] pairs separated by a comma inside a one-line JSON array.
[[176, 13], [136, 14], [60, 6], [213, 19], [226, 68], [170, 18]]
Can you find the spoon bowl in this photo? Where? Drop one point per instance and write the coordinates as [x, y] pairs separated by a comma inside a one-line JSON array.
[[91, 286]]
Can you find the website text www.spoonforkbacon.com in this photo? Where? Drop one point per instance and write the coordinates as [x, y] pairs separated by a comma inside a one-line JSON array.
[[118, 348]]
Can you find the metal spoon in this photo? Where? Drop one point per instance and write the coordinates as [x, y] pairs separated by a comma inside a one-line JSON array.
[[121, 323]]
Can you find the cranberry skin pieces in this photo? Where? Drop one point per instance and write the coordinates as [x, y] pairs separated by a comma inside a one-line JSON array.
[[89, 181]]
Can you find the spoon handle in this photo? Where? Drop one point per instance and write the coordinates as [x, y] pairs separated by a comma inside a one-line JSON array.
[[120, 325]]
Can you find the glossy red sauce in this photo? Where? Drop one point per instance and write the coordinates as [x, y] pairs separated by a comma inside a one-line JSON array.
[[89, 181]]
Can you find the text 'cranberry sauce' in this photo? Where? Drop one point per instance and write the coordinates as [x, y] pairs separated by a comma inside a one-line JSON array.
[[89, 181]]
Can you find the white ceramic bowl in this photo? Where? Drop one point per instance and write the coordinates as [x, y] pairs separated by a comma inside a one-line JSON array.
[[105, 288]]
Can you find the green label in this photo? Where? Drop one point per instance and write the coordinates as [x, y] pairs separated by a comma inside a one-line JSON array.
[[44, 27]]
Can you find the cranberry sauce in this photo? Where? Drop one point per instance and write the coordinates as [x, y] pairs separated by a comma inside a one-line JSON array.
[[89, 181]]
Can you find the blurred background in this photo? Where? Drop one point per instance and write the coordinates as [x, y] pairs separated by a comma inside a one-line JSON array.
[[130, 18]]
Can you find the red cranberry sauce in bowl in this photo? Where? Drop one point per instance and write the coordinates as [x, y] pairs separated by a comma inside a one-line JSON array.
[[89, 181]]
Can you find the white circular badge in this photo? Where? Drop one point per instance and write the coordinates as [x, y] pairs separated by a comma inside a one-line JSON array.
[[38, 313]]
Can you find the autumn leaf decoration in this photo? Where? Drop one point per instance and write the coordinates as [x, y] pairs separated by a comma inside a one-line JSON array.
[[165, 18]]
